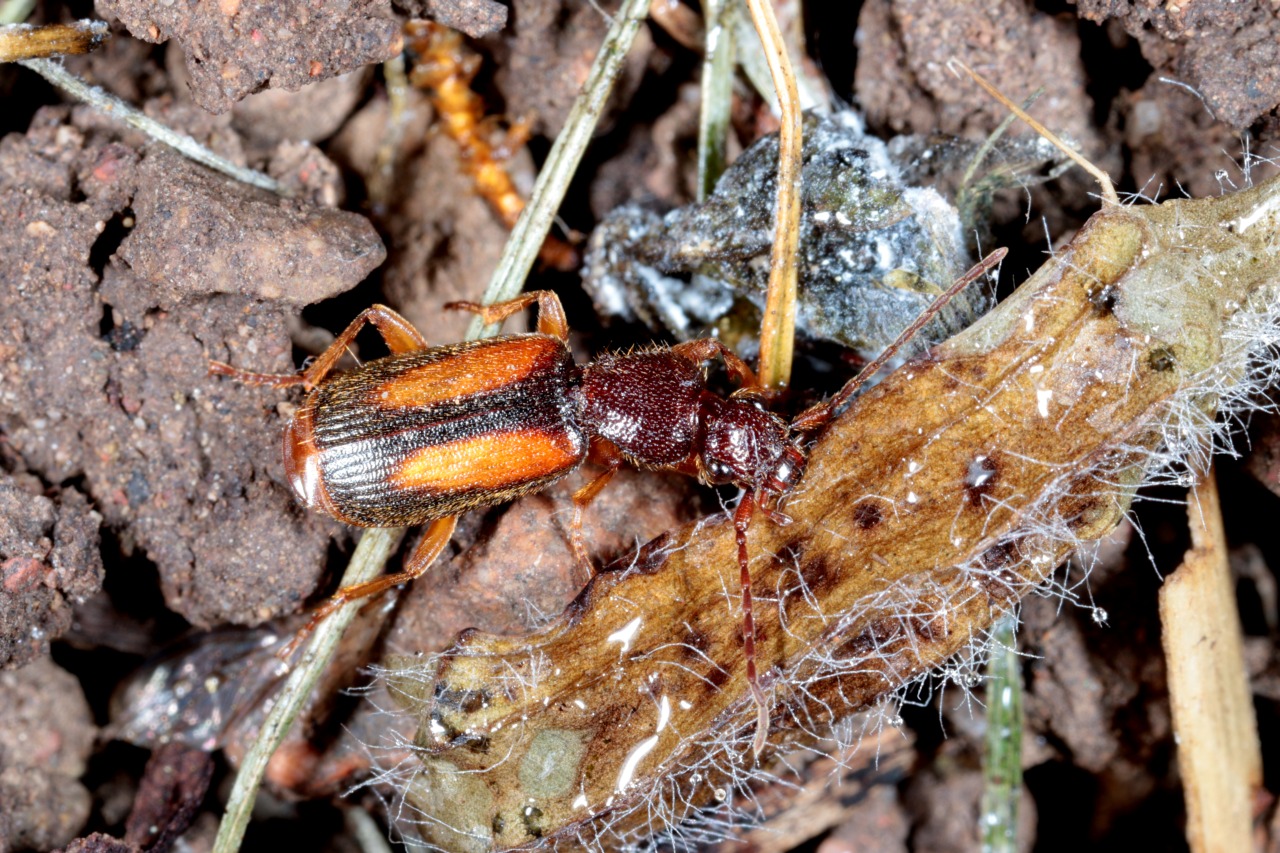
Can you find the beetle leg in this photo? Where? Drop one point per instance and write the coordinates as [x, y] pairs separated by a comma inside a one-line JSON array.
[[551, 319], [437, 536], [606, 455], [773, 513], [741, 522], [399, 334], [248, 377], [704, 349]]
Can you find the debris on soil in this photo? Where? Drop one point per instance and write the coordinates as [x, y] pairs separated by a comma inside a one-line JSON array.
[[1178, 148], [236, 48], [545, 58], [873, 253], [173, 787], [1264, 460], [45, 743], [311, 114], [944, 804], [835, 788], [100, 842], [50, 560], [196, 235], [442, 238], [903, 82], [1227, 51], [476, 18]]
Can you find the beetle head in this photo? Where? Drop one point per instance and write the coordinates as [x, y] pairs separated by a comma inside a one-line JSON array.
[[745, 444]]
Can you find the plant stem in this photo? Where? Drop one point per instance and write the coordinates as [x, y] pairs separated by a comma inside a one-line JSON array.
[[180, 142], [562, 162], [717, 93], [1002, 763], [777, 329], [376, 545]]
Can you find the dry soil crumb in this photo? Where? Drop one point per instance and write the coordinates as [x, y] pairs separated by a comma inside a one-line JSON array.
[[236, 47], [45, 742], [105, 378]]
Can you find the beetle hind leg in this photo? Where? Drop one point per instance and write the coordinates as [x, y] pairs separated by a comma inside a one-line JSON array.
[[437, 536], [398, 333]]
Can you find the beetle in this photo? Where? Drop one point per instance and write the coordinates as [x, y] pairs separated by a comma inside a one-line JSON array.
[[427, 433]]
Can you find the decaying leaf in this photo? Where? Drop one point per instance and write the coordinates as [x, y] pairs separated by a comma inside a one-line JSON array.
[[930, 507]]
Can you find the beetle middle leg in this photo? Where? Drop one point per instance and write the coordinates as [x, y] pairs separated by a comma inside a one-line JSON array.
[[398, 333], [606, 454], [438, 534]]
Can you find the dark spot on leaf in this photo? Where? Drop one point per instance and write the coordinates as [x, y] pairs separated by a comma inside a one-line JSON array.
[[998, 580], [465, 701], [875, 638], [819, 574], [999, 556], [928, 628], [867, 514], [717, 676], [1104, 299], [1084, 512], [532, 818], [695, 643]]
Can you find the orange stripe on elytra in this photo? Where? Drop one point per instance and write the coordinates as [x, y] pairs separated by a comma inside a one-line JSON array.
[[490, 461], [464, 374]]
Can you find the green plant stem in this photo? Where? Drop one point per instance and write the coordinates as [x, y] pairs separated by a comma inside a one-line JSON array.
[[1002, 763], [717, 93], [16, 11], [562, 161], [113, 106], [376, 545]]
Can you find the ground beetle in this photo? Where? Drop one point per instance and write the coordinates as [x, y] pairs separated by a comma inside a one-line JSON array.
[[430, 432]]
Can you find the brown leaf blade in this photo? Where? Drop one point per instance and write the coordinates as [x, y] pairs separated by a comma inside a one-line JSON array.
[[929, 508]]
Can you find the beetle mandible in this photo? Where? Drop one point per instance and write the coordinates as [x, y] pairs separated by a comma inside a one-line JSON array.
[[427, 433]]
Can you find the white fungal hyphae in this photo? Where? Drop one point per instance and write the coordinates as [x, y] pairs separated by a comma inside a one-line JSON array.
[[873, 250], [944, 494]]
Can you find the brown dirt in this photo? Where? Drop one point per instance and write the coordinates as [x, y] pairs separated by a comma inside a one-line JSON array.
[[45, 744], [234, 48]]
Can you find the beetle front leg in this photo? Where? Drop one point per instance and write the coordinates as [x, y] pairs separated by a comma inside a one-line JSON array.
[[398, 333], [705, 349], [551, 318]]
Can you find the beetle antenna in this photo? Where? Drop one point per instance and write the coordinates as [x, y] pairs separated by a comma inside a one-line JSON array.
[[820, 414], [1104, 180]]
